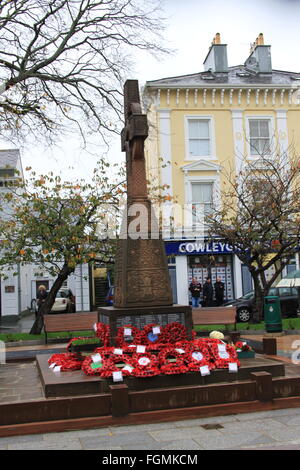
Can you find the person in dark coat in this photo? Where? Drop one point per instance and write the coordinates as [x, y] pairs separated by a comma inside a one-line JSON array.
[[219, 291], [208, 293], [195, 289], [41, 296]]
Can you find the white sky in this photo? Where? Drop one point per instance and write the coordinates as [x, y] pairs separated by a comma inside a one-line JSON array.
[[192, 25]]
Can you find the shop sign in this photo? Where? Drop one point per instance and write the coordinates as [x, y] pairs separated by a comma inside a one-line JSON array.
[[197, 247]]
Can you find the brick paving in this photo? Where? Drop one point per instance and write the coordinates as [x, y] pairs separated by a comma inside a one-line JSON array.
[[278, 430], [19, 382]]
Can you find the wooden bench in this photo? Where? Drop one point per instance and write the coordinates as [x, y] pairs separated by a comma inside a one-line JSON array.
[[54, 323], [214, 316]]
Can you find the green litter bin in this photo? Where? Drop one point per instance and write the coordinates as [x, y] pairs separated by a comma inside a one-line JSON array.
[[272, 313]]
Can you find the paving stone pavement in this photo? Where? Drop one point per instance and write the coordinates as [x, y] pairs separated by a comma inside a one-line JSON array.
[[278, 429]]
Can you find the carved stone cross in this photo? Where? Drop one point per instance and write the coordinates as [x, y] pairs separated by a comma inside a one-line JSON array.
[[141, 270], [132, 137]]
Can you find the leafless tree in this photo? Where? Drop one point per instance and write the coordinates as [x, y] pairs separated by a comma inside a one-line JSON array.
[[62, 62], [260, 217]]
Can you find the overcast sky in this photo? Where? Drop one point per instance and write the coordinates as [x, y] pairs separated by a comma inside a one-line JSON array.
[[191, 26]]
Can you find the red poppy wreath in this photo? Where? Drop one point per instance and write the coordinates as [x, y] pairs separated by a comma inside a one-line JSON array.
[[66, 361], [171, 361], [197, 357], [102, 332], [153, 337], [105, 366], [134, 337], [173, 332], [145, 365], [223, 354]]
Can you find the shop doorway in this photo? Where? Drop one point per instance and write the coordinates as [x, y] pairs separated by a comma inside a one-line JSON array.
[[215, 266]]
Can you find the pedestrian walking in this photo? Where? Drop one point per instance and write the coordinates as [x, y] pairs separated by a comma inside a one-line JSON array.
[[195, 289], [219, 291], [208, 293]]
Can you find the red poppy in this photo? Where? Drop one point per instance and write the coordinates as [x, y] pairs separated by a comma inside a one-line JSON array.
[[242, 346]]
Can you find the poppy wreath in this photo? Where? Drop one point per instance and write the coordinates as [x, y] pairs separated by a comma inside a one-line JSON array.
[[145, 365], [89, 368], [151, 338], [102, 332], [197, 357], [156, 347], [242, 346], [108, 365], [136, 334], [113, 364], [171, 361], [173, 332], [222, 362], [67, 361], [104, 351]]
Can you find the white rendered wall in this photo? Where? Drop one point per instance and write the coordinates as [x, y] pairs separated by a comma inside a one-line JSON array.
[[182, 280], [238, 284], [9, 300]]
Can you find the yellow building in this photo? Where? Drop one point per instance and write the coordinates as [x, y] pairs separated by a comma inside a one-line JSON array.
[[202, 127]]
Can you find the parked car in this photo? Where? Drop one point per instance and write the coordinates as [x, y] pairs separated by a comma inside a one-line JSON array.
[[109, 299], [288, 302], [64, 302]]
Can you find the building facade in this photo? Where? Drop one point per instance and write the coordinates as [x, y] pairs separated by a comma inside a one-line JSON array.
[[204, 126]]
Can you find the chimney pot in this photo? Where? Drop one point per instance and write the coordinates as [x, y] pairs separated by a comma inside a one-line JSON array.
[[216, 59], [259, 59]]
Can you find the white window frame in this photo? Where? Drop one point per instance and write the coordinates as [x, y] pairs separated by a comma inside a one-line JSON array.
[[260, 117], [214, 179], [211, 130]]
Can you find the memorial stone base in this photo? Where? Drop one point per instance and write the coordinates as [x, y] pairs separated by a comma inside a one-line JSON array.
[[142, 316]]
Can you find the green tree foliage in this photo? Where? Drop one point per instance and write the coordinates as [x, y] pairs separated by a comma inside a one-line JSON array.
[[58, 225]]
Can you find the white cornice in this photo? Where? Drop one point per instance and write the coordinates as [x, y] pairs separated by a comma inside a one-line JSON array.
[[225, 86]]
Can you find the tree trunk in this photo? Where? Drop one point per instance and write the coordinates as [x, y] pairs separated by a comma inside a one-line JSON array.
[[45, 308], [258, 304]]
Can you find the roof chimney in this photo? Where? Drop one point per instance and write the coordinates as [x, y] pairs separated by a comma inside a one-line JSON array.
[[259, 59], [216, 59]]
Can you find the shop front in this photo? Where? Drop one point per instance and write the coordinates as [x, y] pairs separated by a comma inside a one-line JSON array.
[[201, 259]]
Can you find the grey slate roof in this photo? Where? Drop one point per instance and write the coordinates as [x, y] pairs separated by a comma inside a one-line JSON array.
[[237, 76], [9, 158]]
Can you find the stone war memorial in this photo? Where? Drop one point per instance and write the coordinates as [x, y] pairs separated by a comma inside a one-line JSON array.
[[143, 362], [142, 285]]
